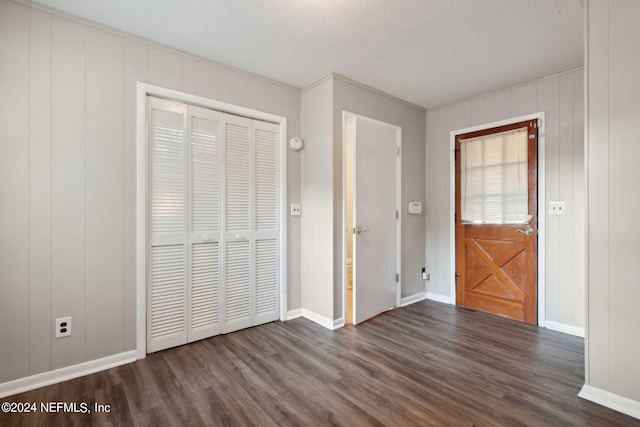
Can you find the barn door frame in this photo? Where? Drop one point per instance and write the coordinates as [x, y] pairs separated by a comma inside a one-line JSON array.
[[142, 244], [540, 117]]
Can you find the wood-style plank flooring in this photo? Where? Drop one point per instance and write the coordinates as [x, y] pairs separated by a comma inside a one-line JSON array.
[[425, 364]]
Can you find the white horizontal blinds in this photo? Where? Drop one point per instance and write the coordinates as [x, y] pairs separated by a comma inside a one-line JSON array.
[[266, 222], [494, 177], [204, 193], [166, 299]]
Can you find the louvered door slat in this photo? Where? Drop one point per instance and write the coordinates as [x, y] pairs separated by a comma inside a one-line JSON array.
[[237, 166], [266, 180], [205, 175], [205, 291], [266, 296], [167, 171], [167, 297], [266, 307], [237, 286]]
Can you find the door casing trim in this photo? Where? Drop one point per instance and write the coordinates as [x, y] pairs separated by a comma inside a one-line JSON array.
[[540, 117]]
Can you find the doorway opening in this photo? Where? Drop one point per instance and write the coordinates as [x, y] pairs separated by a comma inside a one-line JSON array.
[[372, 197]]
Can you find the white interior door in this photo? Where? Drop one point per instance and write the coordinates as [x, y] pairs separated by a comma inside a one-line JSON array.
[[375, 222]]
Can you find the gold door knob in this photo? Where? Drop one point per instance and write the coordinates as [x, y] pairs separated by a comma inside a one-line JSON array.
[[528, 231], [359, 230]]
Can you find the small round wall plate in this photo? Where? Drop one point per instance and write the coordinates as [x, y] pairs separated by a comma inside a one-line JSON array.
[[295, 144]]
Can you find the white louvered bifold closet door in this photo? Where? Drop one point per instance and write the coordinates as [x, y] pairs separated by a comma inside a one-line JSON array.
[[266, 222], [213, 210], [251, 218], [238, 236], [167, 266], [205, 131]]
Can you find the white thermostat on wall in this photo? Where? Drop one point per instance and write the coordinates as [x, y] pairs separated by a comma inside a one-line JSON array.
[[415, 208]]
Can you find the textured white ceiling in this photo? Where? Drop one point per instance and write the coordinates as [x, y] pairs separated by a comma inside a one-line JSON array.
[[428, 52]]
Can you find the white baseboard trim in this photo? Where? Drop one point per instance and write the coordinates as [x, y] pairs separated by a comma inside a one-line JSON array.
[[320, 320], [611, 400], [411, 299], [67, 373], [567, 329], [293, 314], [338, 323], [439, 298]]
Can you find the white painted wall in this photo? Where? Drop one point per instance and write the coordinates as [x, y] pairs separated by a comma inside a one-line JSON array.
[[613, 149], [560, 97], [68, 187], [317, 202]]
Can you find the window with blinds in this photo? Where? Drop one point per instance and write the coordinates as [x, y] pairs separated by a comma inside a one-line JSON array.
[[494, 184]]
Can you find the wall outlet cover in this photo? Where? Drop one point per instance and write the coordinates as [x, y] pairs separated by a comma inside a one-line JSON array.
[[63, 327], [557, 208], [296, 209]]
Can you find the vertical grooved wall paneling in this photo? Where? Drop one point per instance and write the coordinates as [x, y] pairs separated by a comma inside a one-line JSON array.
[[171, 70], [68, 162], [68, 187], [41, 323], [624, 198], [154, 65], [579, 195], [14, 189], [104, 193], [135, 70], [550, 102], [598, 204], [317, 200], [565, 224]]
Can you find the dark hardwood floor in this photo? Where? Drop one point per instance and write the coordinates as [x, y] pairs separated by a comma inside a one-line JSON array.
[[425, 364]]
